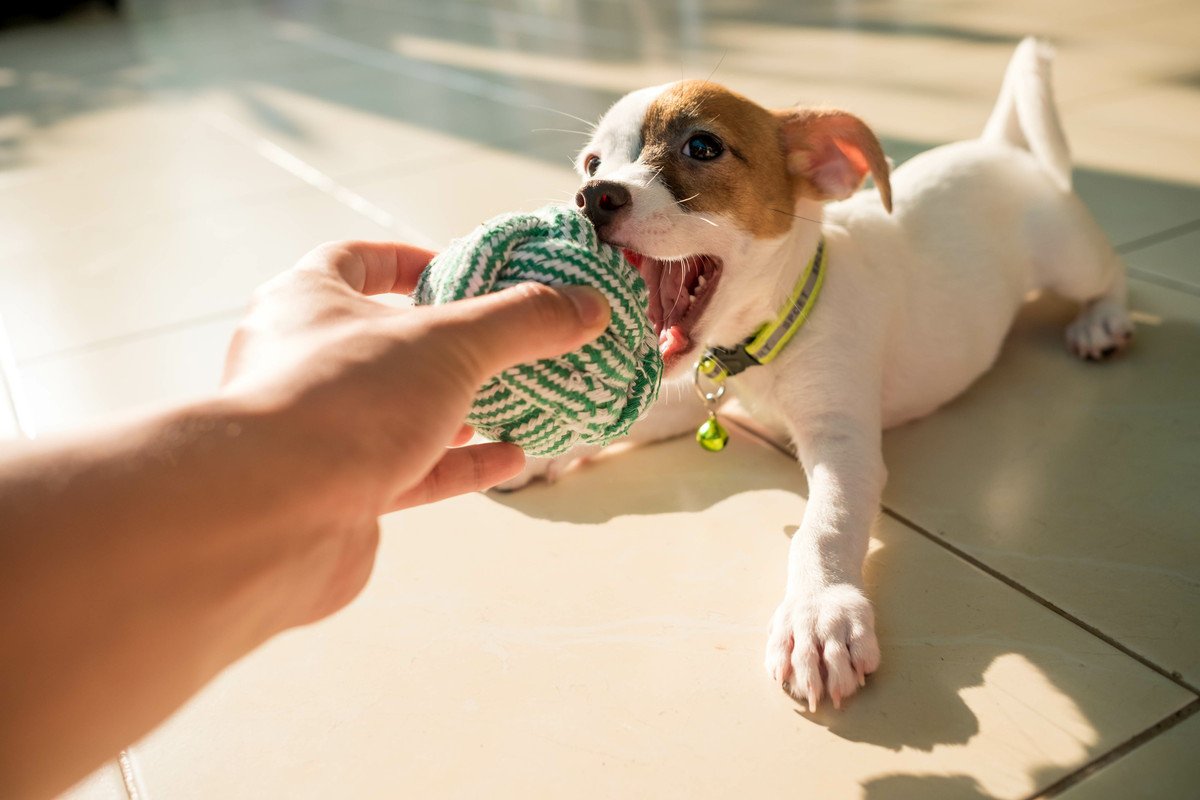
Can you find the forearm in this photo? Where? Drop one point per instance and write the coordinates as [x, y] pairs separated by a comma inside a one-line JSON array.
[[135, 563]]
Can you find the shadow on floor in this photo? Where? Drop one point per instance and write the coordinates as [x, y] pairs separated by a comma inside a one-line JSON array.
[[916, 701]]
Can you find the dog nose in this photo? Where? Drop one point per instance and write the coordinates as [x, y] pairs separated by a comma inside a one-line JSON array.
[[601, 201]]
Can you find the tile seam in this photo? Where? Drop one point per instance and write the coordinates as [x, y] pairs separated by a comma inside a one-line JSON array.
[[132, 337], [1117, 753], [14, 392], [1164, 281], [1174, 677], [131, 778], [306, 172], [1166, 234]]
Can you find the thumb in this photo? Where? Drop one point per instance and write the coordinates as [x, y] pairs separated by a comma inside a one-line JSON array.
[[524, 323]]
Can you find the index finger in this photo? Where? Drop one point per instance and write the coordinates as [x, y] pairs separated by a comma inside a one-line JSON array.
[[371, 267]]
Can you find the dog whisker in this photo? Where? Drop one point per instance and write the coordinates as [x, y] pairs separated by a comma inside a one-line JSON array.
[[717, 67], [797, 216], [591, 125], [559, 130]]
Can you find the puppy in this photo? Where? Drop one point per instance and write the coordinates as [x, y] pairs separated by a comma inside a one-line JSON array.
[[722, 204]]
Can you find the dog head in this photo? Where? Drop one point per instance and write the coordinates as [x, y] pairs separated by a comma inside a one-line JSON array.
[[702, 188]]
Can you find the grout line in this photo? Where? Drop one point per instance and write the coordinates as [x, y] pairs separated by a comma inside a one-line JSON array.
[[306, 172], [1161, 236], [1157, 238], [539, 25], [1117, 753], [14, 389], [135, 336], [451, 78], [1162, 280], [1173, 677], [131, 776]]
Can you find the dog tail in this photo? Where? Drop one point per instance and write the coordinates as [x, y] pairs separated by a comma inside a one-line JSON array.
[[1025, 115]]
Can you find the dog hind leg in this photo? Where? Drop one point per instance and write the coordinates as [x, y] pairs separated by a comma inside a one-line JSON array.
[[1072, 255], [1075, 260]]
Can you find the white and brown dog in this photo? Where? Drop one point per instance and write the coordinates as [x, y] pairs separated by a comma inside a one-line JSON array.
[[721, 205]]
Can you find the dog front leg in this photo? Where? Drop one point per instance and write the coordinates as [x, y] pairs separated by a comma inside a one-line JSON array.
[[822, 636]]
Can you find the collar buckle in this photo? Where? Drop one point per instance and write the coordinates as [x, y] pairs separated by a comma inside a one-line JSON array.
[[720, 363]]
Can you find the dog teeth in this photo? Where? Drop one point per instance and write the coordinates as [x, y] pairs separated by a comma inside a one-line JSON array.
[[700, 283]]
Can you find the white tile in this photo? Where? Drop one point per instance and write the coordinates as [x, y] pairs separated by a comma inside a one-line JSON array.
[[1177, 259], [604, 638], [8, 420], [1130, 207], [92, 386], [1074, 479], [1166, 766], [447, 201], [103, 784], [100, 283], [1147, 131]]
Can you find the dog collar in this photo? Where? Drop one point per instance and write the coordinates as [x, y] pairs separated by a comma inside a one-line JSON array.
[[719, 363]]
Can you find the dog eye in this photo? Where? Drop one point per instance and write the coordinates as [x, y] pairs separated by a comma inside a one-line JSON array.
[[591, 164], [703, 147]]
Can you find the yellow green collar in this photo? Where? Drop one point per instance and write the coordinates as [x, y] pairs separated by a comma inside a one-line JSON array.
[[719, 363]]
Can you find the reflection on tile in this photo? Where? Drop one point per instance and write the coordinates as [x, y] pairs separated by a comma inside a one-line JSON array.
[[103, 784], [121, 166], [607, 633], [333, 135], [1130, 132], [1177, 259], [450, 200], [604, 637], [8, 420], [95, 385], [1070, 477], [101, 282], [1164, 767]]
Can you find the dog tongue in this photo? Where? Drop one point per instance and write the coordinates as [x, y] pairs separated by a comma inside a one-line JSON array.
[[672, 342]]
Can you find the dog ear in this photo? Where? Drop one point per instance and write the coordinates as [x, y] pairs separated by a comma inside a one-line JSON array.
[[830, 152]]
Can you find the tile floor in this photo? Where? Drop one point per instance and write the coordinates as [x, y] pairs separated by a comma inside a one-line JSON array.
[[1037, 567]]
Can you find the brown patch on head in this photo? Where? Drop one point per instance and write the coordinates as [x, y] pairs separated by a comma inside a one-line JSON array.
[[750, 182]]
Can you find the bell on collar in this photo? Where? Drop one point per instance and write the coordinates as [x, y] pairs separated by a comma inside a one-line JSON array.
[[712, 435]]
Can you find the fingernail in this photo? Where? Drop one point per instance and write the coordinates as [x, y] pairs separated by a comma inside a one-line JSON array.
[[591, 306]]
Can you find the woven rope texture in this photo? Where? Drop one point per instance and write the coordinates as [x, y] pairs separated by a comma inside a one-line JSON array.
[[590, 396]]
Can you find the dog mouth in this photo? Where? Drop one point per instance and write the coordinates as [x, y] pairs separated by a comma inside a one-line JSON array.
[[680, 290]]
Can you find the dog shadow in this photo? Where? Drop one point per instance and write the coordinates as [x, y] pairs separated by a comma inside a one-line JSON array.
[[916, 701]]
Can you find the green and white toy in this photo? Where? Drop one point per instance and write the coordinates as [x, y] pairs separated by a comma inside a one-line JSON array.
[[590, 396]]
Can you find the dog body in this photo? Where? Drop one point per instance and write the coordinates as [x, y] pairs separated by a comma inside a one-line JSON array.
[[721, 204]]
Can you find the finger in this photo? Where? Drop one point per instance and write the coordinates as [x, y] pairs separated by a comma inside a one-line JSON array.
[[371, 267], [465, 469], [523, 323], [463, 436]]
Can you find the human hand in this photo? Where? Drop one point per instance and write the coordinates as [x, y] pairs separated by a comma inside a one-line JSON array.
[[395, 384], [140, 557], [377, 396]]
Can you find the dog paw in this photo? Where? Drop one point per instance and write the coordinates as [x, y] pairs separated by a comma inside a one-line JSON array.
[[823, 642], [537, 468], [1101, 330]]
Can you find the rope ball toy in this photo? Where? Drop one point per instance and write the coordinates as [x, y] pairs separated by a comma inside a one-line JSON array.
[[589, 396]]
